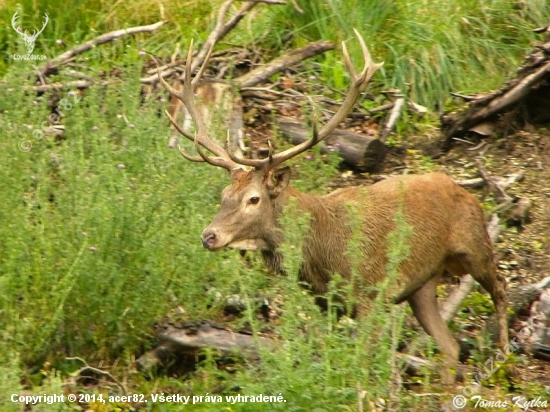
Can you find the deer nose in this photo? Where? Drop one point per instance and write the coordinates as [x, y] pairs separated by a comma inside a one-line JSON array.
[[208, 238]]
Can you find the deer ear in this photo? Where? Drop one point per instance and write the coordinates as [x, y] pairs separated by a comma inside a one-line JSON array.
[[277, 181]]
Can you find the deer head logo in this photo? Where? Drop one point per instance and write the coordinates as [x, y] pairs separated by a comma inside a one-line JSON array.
[[29, 40]]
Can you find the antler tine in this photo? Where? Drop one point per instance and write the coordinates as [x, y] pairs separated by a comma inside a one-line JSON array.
[[188, 157], [358, 84], [35, 33], [272, 160], [14, 19], [256, 163], [178, 127], [201, 136]]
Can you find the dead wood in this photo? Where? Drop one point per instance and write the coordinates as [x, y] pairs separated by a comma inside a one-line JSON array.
[[192, 338], [52, 66], [360, 152], [81, 373], [283, 62], [394, 115], [219, 32], [497, 190], [154, 77], [382, 108], [474, 183], [177, 65], [532, 301], [526, 95], [417, 108], [76, 84], [413, 365], [296, 7], [519, 214]]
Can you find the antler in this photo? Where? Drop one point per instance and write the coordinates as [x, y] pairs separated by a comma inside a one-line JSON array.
[[358, 84], [35, 34], [201, 138], [14, 23], [24, 34], [230, 161]]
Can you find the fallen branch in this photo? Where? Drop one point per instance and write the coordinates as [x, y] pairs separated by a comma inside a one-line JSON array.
[[155, 77], [87, 368], [295, 5], [394, 115], [525, 95], [463, 96], [52, 66], [288, 59], [382, 108], [77, 84], [417, 108], [497, 190], [219, 31], [474, 183], [539, 342]]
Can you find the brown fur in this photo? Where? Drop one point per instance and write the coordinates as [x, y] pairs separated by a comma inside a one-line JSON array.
[[448, 235]]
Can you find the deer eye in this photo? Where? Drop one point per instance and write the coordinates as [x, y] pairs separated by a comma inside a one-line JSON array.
[[254, 200]]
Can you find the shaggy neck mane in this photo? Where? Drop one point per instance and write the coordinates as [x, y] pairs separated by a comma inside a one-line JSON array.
[[309, 203], [322, 216]]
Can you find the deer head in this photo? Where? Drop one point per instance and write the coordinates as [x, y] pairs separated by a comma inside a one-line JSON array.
[[29, 40], [251, 204]]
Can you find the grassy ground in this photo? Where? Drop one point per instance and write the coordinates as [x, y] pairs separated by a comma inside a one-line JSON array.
[[99, 230], [100, 240]]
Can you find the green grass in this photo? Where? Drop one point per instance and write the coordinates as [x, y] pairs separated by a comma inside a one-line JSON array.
[[428, 48], [105, 213], [100, 240]]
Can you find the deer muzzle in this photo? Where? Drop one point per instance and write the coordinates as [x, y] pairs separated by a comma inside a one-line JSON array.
[[209, 239]]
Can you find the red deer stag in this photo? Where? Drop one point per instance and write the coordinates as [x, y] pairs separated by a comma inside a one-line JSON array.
[[448, 228]]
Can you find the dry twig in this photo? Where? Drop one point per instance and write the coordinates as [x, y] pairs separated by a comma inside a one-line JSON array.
[[87, 368], [52, 66]]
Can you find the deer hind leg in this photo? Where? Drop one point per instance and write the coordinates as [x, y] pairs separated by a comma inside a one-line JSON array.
[[424, 305], [483, 269]]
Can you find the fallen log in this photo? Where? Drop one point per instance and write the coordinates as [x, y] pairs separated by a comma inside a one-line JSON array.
[[191, 338], [362, 153]]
